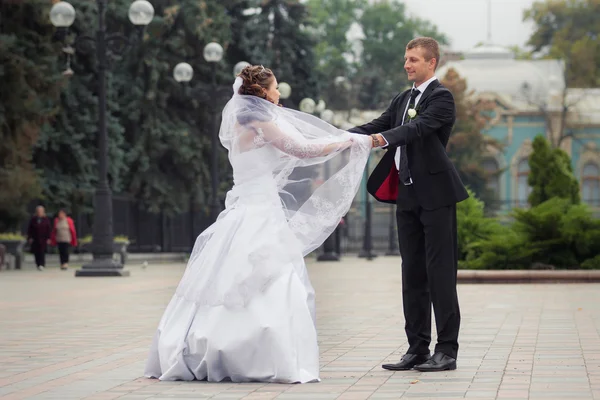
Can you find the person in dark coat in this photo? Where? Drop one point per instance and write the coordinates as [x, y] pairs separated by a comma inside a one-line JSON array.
[[38, 236], [2, 255]]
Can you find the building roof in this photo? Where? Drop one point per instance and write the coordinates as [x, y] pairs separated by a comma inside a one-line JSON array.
[[585, 106], [489, 51], [494, 69], [522, 85]]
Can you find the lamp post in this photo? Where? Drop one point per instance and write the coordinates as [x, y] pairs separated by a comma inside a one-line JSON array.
[[285, 91], [309, 106], [213, 53], [329, 247], [239, 67], [62, 16], [183, 73], [367, 249]]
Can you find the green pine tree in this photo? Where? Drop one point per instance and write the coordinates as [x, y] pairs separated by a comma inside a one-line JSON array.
[[387, 29], [29, 82], [551, 174], [277, 36], [67, 151], [167, 124]]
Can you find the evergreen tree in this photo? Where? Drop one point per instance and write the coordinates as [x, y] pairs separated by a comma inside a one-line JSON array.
[[167, 124], [29, 83], [387, 30], [67, 151], [276, 36], [551, 174], [331, 21], [158, 131]]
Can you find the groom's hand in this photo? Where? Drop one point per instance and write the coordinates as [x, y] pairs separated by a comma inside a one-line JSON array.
[[377, 140]]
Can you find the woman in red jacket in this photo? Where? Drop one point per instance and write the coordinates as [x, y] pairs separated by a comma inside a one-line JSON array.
[[63, 236]]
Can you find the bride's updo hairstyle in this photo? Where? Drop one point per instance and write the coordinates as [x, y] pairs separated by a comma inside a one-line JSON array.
[[256, 81]]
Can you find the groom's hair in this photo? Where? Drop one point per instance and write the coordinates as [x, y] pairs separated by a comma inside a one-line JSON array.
[[430, 45]]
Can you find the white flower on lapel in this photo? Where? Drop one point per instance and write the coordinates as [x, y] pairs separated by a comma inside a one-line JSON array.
[[412, 113]]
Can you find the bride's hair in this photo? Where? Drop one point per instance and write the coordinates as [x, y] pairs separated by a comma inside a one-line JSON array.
[[256, 78]]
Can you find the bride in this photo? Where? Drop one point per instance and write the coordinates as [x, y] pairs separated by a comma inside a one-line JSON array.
[[244, 309]]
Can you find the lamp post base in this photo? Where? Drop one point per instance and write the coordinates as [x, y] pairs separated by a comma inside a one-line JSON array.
[[368, 254], [329, 253], [328, 256], [102, 267]]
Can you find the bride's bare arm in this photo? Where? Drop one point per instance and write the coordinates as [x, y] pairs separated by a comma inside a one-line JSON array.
[[275, 136]]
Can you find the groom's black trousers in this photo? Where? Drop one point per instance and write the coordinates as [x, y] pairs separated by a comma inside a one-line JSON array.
[[428, 246]]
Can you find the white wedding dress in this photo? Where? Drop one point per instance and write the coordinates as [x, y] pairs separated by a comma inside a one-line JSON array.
[[245, 309]]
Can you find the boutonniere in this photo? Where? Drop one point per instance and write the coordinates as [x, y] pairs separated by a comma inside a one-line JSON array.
[[412, 113]]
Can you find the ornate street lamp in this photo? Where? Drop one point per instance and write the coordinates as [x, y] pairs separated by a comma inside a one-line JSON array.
[[307, 105], [62, 16], [213, 53], [329, 247], [183, 72], [239, 67], [285, 90]]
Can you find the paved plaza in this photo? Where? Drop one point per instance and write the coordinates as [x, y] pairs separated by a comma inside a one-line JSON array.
[[63, 337]]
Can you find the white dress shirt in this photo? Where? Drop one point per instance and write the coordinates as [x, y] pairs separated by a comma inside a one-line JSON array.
[[421, 88]]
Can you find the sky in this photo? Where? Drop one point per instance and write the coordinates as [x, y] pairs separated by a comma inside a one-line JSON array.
[[466, 21]]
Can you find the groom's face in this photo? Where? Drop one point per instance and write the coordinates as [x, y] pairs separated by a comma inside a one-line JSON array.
[[417, 68]]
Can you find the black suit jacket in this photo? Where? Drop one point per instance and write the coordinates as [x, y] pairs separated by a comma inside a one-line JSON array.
[[436, 181]]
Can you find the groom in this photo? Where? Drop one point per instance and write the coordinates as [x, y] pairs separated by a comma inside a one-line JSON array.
[[417, 175]]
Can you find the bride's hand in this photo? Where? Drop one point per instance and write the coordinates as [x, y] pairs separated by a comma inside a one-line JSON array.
[[356, 137], [336, 146]]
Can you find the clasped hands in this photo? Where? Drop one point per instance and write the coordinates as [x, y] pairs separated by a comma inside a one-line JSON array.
[[377, 140]]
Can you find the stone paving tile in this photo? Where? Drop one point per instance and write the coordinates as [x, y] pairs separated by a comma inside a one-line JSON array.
[[63, 337]]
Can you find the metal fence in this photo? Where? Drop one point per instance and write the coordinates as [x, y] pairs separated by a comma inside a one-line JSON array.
[[147, 232], [151, 232], [383, 225]]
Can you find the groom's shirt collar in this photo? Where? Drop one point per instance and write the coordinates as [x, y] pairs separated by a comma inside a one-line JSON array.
[[423, 86]]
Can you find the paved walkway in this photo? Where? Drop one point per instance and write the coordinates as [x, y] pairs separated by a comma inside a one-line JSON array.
[[63, 337]]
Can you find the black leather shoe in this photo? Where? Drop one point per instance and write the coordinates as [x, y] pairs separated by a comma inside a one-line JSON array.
[[438, 362], [407, 362]]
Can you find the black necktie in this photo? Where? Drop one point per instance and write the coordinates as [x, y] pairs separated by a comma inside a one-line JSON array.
[[404, 171]]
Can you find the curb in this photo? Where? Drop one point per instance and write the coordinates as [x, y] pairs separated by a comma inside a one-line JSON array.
[[528, 276], [132, 258]]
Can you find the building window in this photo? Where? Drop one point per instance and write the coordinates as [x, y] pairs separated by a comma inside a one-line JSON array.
[[523, 188], [590, 182], [490, 166]]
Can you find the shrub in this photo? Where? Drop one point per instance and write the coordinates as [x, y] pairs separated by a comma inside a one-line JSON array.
[[553, 234], [551, 174], [565, 234]]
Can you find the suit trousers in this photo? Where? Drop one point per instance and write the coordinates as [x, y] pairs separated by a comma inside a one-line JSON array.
[[428, 246]]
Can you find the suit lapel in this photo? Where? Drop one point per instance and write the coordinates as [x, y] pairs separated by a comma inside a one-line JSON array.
[[403, 104], [428, 91], [406, 97]]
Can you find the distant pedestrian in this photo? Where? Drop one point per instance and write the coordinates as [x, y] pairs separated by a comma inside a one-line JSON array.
[[2, 255], [63, 235], [38, 236]]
